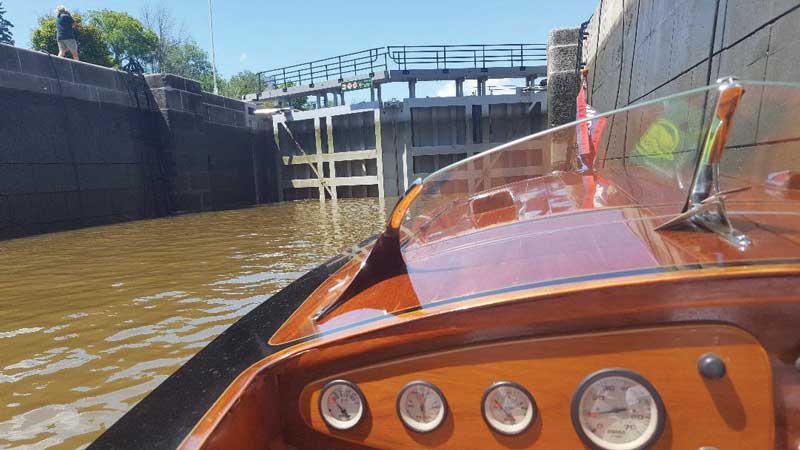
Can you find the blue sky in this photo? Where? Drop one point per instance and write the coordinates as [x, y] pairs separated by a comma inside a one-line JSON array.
[[258, 35]]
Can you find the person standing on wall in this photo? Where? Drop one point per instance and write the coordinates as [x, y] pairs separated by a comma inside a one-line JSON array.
[[65, 33]]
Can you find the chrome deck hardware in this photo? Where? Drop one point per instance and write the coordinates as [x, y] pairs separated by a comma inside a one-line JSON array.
[[705, 205]]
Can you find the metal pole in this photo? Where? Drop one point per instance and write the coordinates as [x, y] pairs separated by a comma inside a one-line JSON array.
[[213, 51]]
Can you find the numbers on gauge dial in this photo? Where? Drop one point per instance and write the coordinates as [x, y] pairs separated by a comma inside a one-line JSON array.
[[341, 404], [508, 408], [421, 406], [619, 411]]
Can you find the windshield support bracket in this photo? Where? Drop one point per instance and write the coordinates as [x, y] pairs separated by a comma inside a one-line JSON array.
[[705, 205], [710, 214]]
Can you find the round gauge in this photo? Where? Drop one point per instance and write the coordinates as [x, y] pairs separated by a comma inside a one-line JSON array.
[[341, 404], [421, 406], [616, 409], [508, 408]]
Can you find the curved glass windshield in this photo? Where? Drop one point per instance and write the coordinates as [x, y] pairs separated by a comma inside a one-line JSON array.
[[588, 201], [643, 155]]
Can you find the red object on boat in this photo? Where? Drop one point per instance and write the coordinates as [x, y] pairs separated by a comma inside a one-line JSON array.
[[589, 132]]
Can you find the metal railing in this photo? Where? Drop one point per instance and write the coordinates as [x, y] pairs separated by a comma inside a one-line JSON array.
[[478, 56], [405, 57], [365, 62]]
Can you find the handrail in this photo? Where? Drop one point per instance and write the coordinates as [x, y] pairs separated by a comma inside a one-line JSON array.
[[474, 56], [368, 62], [364, 62]]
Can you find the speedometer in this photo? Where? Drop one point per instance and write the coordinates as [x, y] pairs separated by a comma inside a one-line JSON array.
[[616, 409]]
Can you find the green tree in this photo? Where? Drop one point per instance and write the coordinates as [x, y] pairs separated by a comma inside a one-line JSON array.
[[91, 46], [177, 53], [300, 103], [245, 82], [170, 34], [126, 37], [6, 36], [190, 61]]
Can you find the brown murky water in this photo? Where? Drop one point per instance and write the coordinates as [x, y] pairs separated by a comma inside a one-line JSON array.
[[93, 320]]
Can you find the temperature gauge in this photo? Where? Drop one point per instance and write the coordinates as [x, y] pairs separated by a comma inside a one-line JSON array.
[[421, 406], [341, 404], [616, 409], [508, 408]]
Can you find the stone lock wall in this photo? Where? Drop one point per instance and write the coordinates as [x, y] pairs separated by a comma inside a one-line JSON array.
[[645, 49], [221, 153], [83, 145], [642, 49]]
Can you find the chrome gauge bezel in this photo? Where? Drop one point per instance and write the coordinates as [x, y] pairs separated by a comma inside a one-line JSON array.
[[328, 386], [442, 398], [575, 407], [532, 405]]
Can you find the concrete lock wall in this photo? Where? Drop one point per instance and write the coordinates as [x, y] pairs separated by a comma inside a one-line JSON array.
[[642, 49], [221, 153], [83, 145], [563, 54]]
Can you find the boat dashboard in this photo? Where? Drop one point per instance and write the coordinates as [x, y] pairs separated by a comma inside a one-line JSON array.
[[641, 388], [670, 361]]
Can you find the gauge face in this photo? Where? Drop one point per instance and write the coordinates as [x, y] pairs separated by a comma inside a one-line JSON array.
[[421, 406], [508, 408], [617, 409], [341, 404]]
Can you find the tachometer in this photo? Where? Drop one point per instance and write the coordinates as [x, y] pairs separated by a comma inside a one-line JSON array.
[[616, 409], [341, 404], [508, 408], [421, 406]]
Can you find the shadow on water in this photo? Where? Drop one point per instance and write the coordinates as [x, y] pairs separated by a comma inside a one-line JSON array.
[[92, 320]]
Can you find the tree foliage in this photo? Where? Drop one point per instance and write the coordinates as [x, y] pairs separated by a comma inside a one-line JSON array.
[[6, 36], [168, 31], [245, 82], [190, 61], [157, 41], [176, 52], [91, 45], [125, 36]]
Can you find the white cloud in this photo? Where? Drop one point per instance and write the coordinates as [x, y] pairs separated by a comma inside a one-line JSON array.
[[243, 57], [496, 87]]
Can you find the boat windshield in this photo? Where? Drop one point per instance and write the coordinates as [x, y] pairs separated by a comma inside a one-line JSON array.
[[639, 156], [585, 201]]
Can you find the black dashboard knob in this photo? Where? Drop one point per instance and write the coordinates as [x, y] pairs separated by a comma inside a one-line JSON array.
[[711, 366]]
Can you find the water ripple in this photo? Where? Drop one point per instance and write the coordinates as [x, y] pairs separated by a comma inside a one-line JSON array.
[[95, 319]]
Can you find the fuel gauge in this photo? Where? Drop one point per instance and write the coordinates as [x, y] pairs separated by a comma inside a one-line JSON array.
[[341, 404], [508, 408]]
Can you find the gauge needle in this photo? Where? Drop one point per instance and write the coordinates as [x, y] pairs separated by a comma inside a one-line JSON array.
[[612, 411], [504, 410], [344, 411]]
